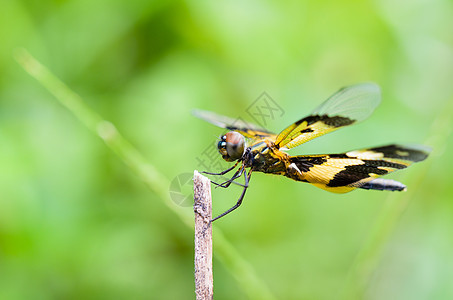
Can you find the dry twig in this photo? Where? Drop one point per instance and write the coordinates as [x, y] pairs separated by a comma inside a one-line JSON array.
[[203, 237]]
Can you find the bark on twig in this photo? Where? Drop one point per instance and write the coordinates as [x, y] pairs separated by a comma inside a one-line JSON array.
[[203, 237]]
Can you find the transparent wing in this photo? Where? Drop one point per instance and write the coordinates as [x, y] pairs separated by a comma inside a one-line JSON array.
[[347, 106], [356, 102], [247, 129]]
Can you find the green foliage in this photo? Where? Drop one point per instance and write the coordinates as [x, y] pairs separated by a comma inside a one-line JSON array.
[[76, 221]]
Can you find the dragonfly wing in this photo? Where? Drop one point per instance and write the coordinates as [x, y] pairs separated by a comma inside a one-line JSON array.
[[347, 106], [341, 173], [247, 129]]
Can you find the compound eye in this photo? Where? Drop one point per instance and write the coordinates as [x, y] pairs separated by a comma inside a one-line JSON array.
[[221, 145], [235, 143]]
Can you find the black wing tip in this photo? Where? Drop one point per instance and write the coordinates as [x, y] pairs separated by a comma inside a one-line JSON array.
[[418, 152], [414, 153]]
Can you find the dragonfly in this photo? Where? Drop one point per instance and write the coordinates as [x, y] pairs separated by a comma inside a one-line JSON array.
[[255, 149]]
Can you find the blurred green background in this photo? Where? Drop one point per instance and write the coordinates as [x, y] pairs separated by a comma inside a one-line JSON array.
[[76, 222]]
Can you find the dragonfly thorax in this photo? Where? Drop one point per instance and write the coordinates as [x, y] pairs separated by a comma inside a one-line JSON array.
[[231, 146]]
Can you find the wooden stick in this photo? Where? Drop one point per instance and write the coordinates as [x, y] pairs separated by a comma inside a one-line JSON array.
[[203, 237]]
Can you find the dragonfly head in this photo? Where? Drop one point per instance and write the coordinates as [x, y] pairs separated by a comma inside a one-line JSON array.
[[231, 146]]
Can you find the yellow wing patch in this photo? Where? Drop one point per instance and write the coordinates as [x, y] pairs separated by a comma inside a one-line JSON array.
[[309, 128], [341, 173]]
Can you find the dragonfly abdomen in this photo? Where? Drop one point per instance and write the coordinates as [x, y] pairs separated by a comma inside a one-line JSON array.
[[384, 185]]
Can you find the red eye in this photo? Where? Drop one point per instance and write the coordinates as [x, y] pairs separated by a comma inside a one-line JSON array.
[[233, 137], [234, 146]]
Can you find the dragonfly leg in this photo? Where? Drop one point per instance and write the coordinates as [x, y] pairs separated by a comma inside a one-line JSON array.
[[223, 172], [239, 202], [222, 185], [227, 183]]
